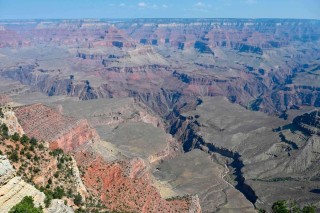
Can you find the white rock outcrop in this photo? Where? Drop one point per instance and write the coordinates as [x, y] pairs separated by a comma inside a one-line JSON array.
[[57, 206], [13, 189], [9, 118]]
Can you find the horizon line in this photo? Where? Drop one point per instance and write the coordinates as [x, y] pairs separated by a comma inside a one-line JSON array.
[[28, 19]]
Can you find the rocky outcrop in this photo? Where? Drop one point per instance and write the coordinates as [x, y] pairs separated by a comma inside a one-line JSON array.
[[249, 49], [9, 118], [290, 97], [73, 137], [306, 156], [309, 123], [135, 168], [203, 47], [13, 189], [80, 187], [263, 33], [58, 206], [6, 170], [122, 184], [127, 190], [44, 82], [195, 205], [59, 131], [308, 126], [172, 149]]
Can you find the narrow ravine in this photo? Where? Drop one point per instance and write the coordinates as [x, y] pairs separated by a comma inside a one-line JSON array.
[[237, 166], [186, 131]]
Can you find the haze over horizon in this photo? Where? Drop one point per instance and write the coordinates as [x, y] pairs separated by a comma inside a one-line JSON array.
[[73, 9], [159, 106]]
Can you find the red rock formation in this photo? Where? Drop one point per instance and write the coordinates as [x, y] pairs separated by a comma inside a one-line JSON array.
[[115, 37], [60, 131], [80, 133], [122, 185], [122, 191], [178, 33]]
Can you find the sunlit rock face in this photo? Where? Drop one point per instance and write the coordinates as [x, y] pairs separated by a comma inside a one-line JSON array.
[[257, 63], [59, 131], [225, 98]]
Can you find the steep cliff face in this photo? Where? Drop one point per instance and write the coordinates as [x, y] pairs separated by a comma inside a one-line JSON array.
[[180, 33], [309, 123], [244, 35], [59, 131], [172, 149], [74, 137], [290, 97], [171, 66], [306, 157], [50, 85], [166, 63], [304, 161], [7, 172], [124, 186], [250, 142], [166, 88], [121, 184]]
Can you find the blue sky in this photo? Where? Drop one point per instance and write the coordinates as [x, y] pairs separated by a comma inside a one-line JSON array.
[[25, 9]]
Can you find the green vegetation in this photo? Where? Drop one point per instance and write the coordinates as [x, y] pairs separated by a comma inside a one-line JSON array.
[[41, 147], [276, 179], [283, 206], [24, 139], [14, 156], [57, 193], [4, 130], [26, 206], [29, 156], [77, 199], [1, 113], [15, 137], [33, 141], [57, 152], [309, 209], [184, 197]]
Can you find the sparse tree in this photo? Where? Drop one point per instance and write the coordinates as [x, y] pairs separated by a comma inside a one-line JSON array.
[[4, 130], [77, 199], [33, 141], [25, 206], [280, 207], [58, 193], [24, 139], [309, 209], [14, 156], [15, 137]]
